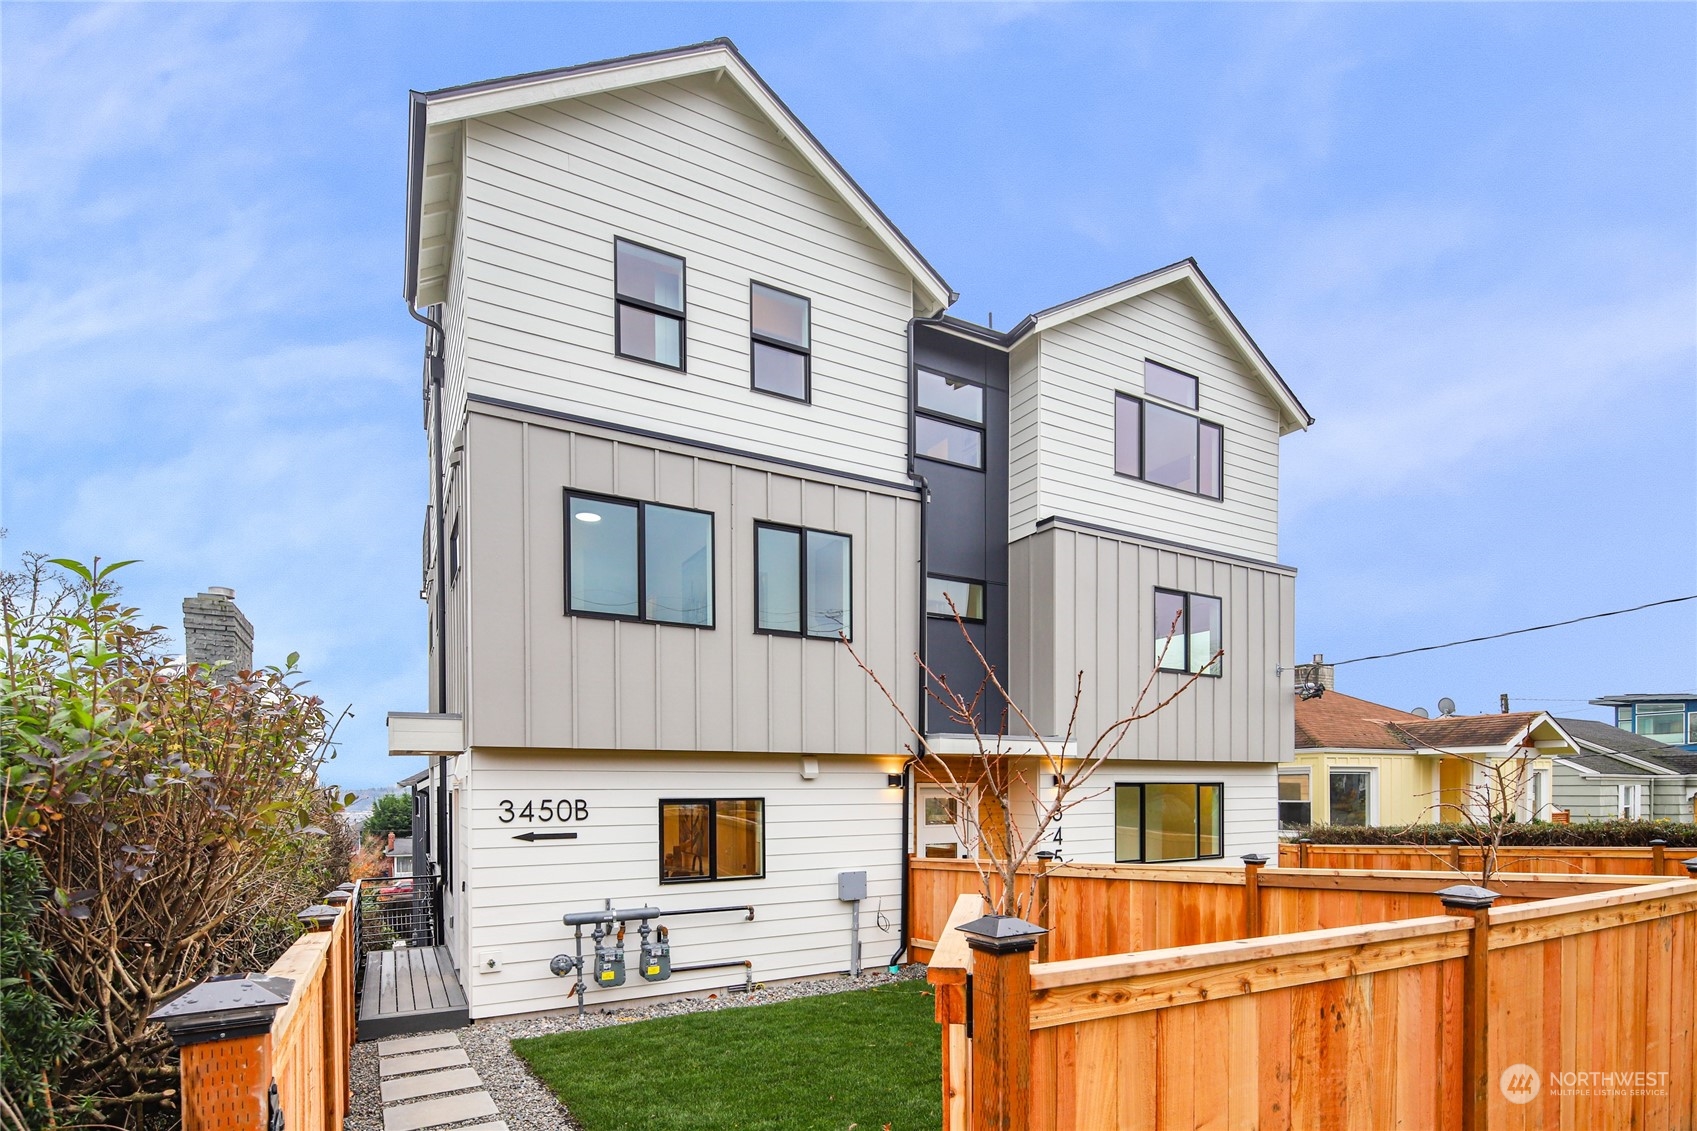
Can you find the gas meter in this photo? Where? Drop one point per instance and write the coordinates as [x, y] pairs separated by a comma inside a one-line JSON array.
[[656, 955], [609, 956]]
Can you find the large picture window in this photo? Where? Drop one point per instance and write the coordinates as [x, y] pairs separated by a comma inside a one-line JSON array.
[[1664, 722], [781, 342], [949, 425], [1189, 630], [1162, 445], [802, 582], [1351, 797], [638, 561], [712, 839], [649, 286], [1161, 822]]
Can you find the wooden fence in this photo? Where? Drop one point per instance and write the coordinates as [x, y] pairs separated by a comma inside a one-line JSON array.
[[1095, 909], [1435, 1021], [1649, 860], [229, 1068]]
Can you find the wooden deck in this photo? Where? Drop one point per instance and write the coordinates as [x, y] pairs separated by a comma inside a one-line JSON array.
[[410, 990]]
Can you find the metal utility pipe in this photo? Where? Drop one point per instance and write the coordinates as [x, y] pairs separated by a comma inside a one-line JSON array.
[[747, 970], [748, 907]]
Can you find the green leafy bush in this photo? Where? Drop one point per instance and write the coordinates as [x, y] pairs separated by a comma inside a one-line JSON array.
[[1540, 834], [35, 1034], [391, 813]]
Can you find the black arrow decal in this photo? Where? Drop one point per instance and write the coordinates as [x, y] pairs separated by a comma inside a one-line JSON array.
[[533, 837]]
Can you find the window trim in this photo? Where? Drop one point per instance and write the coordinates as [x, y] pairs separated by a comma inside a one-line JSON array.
[[1143, 445], [1187, 595], [948, 418], [681, 314], [712, 840], [983, 585], [454, 555], [1372, 775], [801, 550], [641, 505], [1143, 821], [776, 343], [1307, 774]]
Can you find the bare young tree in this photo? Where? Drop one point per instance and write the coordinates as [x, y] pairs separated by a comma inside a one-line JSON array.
[[988, 787], [1488, 804]]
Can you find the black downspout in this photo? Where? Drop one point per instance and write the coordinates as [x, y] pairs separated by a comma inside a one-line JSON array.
[[924, 508], [433, 368]]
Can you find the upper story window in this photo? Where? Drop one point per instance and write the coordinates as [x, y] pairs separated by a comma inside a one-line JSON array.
[[968, 597], [950, 423], [802, 582], [780, 329], [1664, 722], [1189, 629], [650, 289], [1158, 444], [638, 561]]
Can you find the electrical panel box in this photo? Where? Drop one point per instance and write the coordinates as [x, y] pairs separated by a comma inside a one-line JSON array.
[[851, 886]]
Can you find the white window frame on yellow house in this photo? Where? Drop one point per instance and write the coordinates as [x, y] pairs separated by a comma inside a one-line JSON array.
[[1372, 773]]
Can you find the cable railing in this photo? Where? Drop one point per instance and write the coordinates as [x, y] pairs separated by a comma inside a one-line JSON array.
[[392, 912]]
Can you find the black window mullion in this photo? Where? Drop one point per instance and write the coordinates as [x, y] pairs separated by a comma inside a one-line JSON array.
[[651, 307], [642, 561], [801, 579], [1142, 825]]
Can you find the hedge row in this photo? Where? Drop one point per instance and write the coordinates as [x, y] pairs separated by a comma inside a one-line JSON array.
[[1586, 834]]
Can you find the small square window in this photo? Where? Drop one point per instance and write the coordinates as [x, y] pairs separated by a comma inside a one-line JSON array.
[[968, 597], [951, 396], [803, 582], [950, 443], [712, 839], [1189, 632]]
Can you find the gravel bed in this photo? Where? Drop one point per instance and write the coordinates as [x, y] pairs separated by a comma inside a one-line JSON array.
[[525, 1102]]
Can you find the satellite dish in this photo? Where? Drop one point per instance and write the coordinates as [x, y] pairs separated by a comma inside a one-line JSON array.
[[1422, 712], [1446, 706]]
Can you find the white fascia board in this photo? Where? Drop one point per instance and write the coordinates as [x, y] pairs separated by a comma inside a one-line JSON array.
[[414, 733], [1295, 416], [1360, 750], [1659, 771], [954, 745], [448, 108], [1576, 768]]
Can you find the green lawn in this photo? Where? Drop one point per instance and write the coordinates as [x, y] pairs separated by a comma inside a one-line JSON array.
[[865, 1058]]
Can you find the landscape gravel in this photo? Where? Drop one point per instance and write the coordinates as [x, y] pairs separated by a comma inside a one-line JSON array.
[[525, 1102]]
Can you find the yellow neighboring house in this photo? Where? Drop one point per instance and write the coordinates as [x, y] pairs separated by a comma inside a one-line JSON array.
[[1362, 763]]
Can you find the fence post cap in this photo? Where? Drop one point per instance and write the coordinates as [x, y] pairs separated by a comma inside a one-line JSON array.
[[1304, 840], [348, 886], [337, 898], [319, 916], [1660, 841], [1691, 865], [1467, 897], [1255, 858], [1001, 934], [1456, 840], [224, 1007]]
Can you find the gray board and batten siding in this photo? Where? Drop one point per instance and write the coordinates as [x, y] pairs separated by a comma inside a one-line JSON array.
[[1083, 601], [540, 678]]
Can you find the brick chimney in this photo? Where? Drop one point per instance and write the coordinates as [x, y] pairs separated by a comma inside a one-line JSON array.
[[215, 631], [1319, 672]]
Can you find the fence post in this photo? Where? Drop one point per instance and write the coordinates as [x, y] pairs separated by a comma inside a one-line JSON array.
[[999, 1021], [1658, 857], [1475, 1002], [1252, 865], [222, 1029], [1691, 867], [342, 970], [1302, 844], [1045, 918], [1455, 852], [319, 918]]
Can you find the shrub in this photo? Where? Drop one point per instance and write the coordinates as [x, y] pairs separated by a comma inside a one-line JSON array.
[[1584, 834], [35, 1034], [391, 813]]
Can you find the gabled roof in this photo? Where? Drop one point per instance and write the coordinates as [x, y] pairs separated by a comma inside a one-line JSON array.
[[1472, 730], [1605, 739], [435, 113], [1603, 765], [1336, 721]]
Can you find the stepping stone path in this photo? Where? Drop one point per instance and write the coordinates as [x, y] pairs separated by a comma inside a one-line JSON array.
[[428, 1082]]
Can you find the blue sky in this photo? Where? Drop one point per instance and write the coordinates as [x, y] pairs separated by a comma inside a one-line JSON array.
[[1466, 234]]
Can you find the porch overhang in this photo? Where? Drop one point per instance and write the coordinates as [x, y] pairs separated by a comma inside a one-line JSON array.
[[414, 733]]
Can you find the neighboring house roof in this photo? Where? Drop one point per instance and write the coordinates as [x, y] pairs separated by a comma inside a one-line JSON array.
[[403, 847], [1472, 730], [1336, 721], [1643, 697], [1604, 765], [1606, 739], [415, 779], [434, 111]]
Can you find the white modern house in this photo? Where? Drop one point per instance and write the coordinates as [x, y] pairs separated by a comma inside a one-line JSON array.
[[694, 409]]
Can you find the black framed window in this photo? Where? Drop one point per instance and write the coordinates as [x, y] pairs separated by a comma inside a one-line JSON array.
[[454, 553], [968, 598], [1167, 447], [949, 424], [638, 561], [649, 323], [781, 342], [712, 839], [1189, 630], [802, 582], [1162, 822]]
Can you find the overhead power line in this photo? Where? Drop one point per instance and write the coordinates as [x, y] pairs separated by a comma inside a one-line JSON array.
[[1516, 631]]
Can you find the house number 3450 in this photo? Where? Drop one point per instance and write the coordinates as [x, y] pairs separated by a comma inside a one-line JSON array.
[[548, 809]]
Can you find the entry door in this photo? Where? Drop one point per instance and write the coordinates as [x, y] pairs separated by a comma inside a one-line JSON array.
[[941, 835]]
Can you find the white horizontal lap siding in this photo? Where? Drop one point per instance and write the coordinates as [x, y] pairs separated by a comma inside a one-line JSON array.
[[848, 818], [689, 169], [1024, 427], [1251, 817], [1084, 363]]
